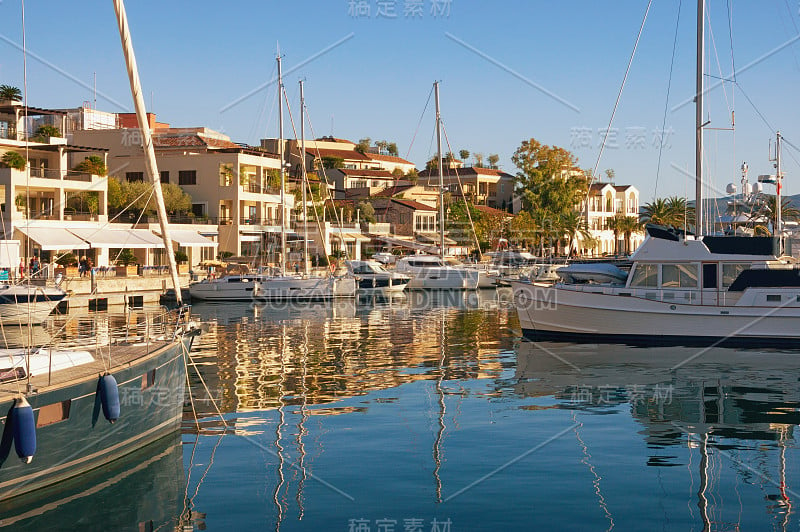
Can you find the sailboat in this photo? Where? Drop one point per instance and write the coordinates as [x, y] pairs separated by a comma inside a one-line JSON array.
[[73, 408], [298, 287], [682, 288], [432, 272]]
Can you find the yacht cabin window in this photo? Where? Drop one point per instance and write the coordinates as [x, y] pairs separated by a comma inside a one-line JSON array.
[[645, 275], [679, 276], [730, 272]]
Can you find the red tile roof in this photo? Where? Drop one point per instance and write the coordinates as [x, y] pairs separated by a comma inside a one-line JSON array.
[[342, 154], [393, 191], [191, 141], [366, 173], [465, 172], [417, 206], [388, 158]]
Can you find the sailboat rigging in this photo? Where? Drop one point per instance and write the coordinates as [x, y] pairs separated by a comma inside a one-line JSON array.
[[57, 417], [682, 289]]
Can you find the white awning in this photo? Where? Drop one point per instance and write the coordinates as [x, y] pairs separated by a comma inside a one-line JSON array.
[[188, 238], [53, 238], [118, 238], [249, 238], [348, 236]]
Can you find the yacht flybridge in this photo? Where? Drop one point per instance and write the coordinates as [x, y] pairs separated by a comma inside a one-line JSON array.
[[680, 290]]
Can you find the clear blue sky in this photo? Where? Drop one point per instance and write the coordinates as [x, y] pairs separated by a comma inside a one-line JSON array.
[[199, 57]]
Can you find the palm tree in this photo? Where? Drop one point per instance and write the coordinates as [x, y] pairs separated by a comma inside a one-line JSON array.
[[613, 224], [766, 210], [656, 212], [628, 225], [573, 225], [7, 92], [681, 215]]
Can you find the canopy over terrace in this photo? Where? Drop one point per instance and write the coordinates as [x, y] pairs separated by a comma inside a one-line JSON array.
[[53, 238], [104, 239]]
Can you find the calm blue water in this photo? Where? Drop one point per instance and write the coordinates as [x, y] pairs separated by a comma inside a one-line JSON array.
[[429, 413]]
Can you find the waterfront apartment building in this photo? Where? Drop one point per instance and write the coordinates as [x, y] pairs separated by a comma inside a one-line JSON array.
[[42, 198], [235, 190], [607, 201], [479, 186]]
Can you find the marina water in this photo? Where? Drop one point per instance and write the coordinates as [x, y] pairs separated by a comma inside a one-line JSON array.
[[427, 412]]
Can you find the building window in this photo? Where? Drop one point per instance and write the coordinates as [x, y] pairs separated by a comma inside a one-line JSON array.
[[165, 177], [199, 210], [187, 177], [132, 177]]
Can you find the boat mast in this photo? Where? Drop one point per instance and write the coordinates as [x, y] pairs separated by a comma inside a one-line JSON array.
[[282, 171], [147, 141], [778, 183], [441, 170], [303, 178], [698, 165]]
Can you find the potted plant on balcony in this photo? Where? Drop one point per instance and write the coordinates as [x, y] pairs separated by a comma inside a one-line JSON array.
[[181, 258], [126, 264], [14, 160], [45, 133], [67, 265], [21, 202], [93, 165]]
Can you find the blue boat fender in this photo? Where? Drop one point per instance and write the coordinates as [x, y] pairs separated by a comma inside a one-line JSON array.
[[109, 397], [24, 430]]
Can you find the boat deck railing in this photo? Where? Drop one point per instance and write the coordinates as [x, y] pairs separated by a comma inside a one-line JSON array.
[[89, 331]]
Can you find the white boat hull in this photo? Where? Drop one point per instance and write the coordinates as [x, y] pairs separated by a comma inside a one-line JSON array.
[[23, 305], [304, 289], [444, 278], [555, 312], [215, 291]]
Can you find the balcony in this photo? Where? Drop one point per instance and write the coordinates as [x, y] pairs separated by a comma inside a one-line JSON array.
[[257, 220], [53, 173]]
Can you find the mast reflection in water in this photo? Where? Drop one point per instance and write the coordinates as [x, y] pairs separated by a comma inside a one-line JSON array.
[[427, 410]]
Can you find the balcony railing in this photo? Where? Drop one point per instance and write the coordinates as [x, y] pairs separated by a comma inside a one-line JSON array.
[[257, 220], [53, 173]]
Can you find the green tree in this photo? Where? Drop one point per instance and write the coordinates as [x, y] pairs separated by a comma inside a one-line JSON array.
[[367, 211], [464, 154], [478, 160], [610, 174], [7, 92], [382, 145], [766, 209], [628, 225], [542, 182], [332, 162], [93, 164], [614, 224], [392, 149], [681, 215], [412, 175], [363, 145], [573, 225], [656, 212], [14, 160], [493, 160]]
